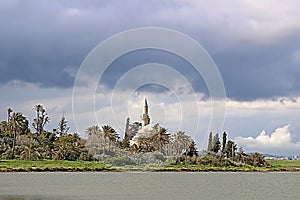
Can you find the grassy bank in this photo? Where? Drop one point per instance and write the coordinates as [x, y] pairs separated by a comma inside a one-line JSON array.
[[81, 166], [290, 165], [50, 165]]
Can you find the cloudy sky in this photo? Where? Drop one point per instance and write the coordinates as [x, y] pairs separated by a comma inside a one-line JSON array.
[[255, 45]]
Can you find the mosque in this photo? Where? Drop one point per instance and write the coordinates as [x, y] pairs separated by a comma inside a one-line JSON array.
[[141, 129]]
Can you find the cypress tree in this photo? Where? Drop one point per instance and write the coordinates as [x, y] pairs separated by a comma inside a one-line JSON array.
[[210, 144], [224, 141], [216, 145]]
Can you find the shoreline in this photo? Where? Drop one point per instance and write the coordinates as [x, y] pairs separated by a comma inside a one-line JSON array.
[[94, 166]]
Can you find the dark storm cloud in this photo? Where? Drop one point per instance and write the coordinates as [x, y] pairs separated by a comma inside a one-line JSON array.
[[253, 71], [139, 57], [42, 41]]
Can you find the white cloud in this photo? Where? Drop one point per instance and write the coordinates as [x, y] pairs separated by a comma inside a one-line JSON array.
[[22, 97], [279, 142]]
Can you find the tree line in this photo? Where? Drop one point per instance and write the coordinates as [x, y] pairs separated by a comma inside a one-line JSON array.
[[102, 142], [18, 142]]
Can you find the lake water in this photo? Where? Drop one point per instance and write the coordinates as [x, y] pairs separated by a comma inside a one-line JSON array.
[[150, 185]]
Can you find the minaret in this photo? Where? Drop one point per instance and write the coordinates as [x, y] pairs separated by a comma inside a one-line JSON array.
[[145, 115]]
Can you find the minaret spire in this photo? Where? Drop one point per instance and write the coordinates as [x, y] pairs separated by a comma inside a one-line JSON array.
[[145, 114]]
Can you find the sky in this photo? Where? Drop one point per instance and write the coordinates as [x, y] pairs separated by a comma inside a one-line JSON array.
[[254, 44]]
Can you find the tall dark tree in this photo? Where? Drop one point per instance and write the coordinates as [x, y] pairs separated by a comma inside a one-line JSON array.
[[126, 141], [63, 127], [224, 141], [41, 119], [210, 142], [216, 145], [192, 151]]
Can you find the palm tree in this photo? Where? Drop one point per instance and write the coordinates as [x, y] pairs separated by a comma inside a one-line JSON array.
[[257, 159], [38, 108], [17, 123], [41, 119], [68, 147], [93, 130], [161, 138], [230, 149], [95, 140], [110, 134], [145, 144], [177, 140], [46, 143], [30, 151], [181, 141], [241, 155]]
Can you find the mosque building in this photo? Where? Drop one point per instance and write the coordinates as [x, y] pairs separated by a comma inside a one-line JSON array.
[[144, 130]]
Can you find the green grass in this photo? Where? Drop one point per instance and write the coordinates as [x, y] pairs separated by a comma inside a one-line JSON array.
[[285, 163], [72, 166], [51, 165]]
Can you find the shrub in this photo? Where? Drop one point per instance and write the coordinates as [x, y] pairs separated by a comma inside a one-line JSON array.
[[120, 161]]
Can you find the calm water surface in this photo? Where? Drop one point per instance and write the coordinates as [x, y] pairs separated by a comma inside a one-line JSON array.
[[150, 185]]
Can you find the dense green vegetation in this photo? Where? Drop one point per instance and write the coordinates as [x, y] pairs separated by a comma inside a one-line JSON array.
[[41, 150]]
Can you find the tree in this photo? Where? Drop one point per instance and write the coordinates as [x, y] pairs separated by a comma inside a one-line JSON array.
[[41, 119], [5, 138], [93, 131], [3, 127], [181, 142], [130, 131], [63, 127], [110, 134], [216, 145], [30, 149], [95, 141], [241, 155], [17, 124], [145, 145], [126, 141], [161, 138], [210, 142], [68, 147], [230, 149], [192, 151], [46, 143], [257, 160], [224, 141], [9, 111]]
